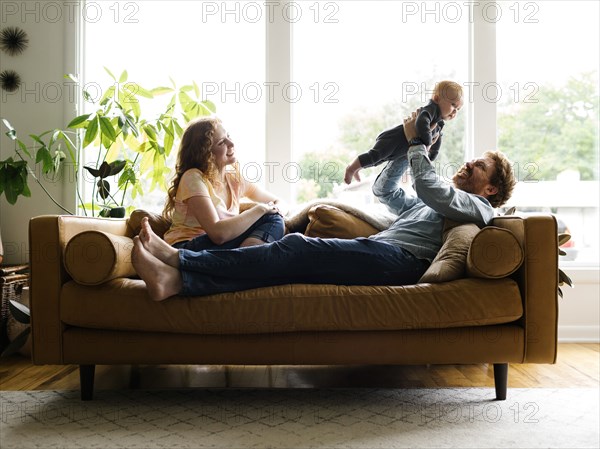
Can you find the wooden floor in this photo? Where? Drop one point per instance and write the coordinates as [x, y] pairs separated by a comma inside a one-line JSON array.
[[577, 366]]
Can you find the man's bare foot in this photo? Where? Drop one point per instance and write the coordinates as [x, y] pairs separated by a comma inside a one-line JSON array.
[[162, 280], [157, 246]]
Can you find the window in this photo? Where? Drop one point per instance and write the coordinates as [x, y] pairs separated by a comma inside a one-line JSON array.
[[218, 45], [364, 66], [548, 118], [345, 70]]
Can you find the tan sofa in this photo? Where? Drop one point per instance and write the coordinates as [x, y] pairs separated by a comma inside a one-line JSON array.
[[479, 318]]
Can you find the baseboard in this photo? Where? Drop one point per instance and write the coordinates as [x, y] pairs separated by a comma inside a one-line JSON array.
[[579, 334]]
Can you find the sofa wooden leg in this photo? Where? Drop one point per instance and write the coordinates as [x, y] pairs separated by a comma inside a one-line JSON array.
[[501, 380], [86, 381]]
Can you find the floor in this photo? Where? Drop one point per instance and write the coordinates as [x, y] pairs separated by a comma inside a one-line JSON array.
[[577, 366]]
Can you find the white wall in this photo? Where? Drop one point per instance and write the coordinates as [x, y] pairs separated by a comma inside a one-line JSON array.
[[579, 309], [37, 106]]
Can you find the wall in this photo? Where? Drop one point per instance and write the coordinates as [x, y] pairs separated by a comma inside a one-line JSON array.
[[40, 104]]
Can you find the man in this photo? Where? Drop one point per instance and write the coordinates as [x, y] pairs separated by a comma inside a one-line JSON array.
[[397, 256]]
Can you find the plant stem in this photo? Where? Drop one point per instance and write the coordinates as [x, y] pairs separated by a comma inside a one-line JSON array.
[[127, 182], [31, 172]]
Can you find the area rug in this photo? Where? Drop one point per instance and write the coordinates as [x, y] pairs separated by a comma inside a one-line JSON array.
[[301, 418]]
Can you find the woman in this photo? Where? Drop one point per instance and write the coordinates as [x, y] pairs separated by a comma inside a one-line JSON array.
[[203, 200]]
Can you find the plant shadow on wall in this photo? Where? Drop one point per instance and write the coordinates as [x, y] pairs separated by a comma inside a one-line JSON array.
[[129, 146]]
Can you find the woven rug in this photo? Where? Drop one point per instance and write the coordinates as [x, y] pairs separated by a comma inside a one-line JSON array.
[[301, 418]]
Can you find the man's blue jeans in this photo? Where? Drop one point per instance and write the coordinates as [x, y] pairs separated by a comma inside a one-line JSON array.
[[298, 259]]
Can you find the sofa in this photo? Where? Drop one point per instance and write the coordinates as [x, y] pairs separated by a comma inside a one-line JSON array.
[[489, 297]]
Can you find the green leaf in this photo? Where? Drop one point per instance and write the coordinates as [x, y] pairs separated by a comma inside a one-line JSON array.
[[12, 134], [123, 77], [563, 238], [37, 139], [144, 92], [169, 139], [23, 148], [93, 171], [110, 74], [116, 167], [150, 132], [71, 77], [13, 179], [78, 122], [103, 188], [91, 132], [43, 155], [209, 106], [19, 311], [563, 278], [107, 130], [70, 145], [161, 90], [108, 95]]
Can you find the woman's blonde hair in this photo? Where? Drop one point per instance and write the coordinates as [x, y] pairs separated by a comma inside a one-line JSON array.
[[194, 152]]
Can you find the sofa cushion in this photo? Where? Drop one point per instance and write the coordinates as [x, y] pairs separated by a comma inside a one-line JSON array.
[[123, 304], [94, 257], [330, 222], [494, 253], [450, 262]]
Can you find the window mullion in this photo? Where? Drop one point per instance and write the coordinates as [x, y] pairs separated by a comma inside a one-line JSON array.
[[483, 72], [278, 132]]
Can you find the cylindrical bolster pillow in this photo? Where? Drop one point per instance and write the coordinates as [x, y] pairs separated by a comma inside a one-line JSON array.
[[94, 257], [494, 253]]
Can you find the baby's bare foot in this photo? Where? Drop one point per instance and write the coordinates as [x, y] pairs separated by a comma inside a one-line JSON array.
[[162, 280], [157, 246]]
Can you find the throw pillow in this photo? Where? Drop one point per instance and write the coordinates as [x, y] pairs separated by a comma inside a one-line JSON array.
[[450, 262], [330, 222]]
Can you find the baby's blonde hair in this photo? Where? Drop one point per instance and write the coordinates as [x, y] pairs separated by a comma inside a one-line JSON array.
[[449, 90]]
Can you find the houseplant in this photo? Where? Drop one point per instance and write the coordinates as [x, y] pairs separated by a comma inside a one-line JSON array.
[[128, 146]]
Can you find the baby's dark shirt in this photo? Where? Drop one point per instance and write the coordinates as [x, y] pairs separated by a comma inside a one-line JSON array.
[[392, 142]]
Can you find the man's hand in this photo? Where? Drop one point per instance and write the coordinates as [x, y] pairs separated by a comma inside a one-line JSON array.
[[410, 131]]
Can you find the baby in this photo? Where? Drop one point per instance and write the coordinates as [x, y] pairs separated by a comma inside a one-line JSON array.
[[446, 101]]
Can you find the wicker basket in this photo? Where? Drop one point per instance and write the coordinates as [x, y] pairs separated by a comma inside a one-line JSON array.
[[12, 280]]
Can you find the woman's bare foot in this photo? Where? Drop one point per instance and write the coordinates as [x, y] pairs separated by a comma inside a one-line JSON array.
[[162, 280], [157, 246]]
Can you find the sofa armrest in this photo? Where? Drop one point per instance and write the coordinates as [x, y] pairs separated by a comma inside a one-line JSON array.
[[538, 282], [48, 237]]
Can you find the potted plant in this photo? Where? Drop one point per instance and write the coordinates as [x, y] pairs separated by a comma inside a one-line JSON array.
[[123, 141]]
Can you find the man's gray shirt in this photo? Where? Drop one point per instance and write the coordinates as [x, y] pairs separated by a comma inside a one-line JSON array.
[[419, 226]]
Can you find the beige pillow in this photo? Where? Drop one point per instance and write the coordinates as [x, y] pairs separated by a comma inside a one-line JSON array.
[[94, 257], [449, 264], [158, 223], [330, 222], [494, 253]]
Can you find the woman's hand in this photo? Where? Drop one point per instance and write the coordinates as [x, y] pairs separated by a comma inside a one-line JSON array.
[[269, 208]]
